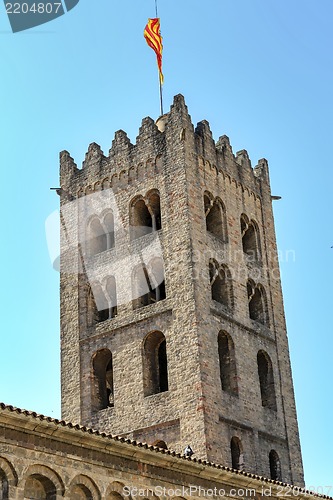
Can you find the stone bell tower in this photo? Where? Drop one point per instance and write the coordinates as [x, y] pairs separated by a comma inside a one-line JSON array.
[[172, 318]]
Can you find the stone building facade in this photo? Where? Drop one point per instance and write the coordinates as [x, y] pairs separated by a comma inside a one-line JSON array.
[[46, 459], [172, 318]]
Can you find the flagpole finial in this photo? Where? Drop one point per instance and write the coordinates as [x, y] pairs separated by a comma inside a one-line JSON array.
[[161, 122]]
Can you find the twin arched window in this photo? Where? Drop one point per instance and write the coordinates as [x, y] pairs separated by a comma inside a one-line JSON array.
[[155, 380], [155, 371], [145, 217], [215, 216], [220, 283], [258, 310], [102, 303], [148, 285], [145, 214], [100, 234], [237, 459], [228, 371], [220, 279]]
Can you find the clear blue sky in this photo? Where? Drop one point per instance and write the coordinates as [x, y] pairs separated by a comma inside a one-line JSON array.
[[259, 71]]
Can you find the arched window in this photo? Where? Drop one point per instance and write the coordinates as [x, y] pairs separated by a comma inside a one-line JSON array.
[[141, 221], [275, 466], [250, 239], [228, 372], [155, 209], [140, 287], [92, 312], [38, 487], [101, 234], [266, 380], [96, 237], [145, 215], [108, 224], [101, 304], [257, 303], [148, 288], [237, 459], [156, 280], [102, 386], [220, 283], [3, 485], [215, 216], [155, 366], [112, 296]]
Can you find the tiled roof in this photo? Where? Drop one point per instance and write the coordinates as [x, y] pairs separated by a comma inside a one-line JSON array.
[[152, 448]]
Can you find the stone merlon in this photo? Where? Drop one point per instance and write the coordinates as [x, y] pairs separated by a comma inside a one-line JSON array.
[[154, 139]]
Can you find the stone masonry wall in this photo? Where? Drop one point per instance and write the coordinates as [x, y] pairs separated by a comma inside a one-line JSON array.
[[42, 458], [182, 164]]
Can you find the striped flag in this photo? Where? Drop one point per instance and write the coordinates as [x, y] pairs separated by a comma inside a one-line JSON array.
[[152, 34]]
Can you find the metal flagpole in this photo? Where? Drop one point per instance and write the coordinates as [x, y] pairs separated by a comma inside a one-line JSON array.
[[161, 95], [159, 78]]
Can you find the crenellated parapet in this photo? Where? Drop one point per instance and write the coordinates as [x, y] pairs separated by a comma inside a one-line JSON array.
[[220, 157], [173, 133]]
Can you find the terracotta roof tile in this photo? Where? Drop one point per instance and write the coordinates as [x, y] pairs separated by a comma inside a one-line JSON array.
[[152, 448]]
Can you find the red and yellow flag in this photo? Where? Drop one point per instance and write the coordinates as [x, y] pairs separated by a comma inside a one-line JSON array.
[[152, 34]]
